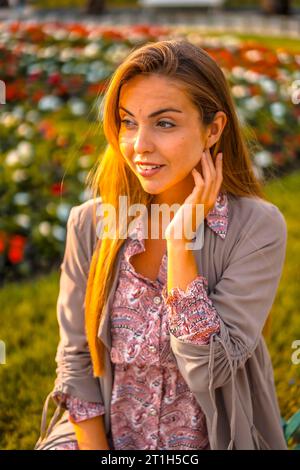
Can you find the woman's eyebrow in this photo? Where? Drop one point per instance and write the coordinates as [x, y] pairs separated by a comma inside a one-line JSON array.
[[160, 111]]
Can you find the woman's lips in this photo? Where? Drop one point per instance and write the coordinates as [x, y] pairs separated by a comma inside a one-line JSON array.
[[148, 172]]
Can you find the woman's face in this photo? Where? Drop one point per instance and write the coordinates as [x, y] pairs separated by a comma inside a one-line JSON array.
[[174, 138]]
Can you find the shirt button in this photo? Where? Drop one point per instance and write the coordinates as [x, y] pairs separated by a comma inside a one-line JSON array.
[[152, 348], [153, 412], [157, 300]]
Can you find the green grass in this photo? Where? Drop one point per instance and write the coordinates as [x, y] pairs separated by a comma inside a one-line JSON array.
[[30, 331], [285, 193]]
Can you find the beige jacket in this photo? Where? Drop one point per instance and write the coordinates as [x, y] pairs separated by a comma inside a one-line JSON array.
[[232, 377]]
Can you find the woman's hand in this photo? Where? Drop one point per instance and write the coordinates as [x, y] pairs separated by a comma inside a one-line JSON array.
[[205, 192]]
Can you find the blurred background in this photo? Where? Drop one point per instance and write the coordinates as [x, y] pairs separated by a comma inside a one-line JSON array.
[[56, 58]]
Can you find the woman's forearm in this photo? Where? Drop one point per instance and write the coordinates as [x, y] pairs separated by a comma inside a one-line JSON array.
[[91, 434], [182, 266]]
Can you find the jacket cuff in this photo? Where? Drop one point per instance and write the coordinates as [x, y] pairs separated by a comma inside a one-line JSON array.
[[87, 388]]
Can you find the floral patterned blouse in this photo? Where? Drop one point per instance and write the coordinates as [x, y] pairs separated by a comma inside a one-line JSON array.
[[152, 406]]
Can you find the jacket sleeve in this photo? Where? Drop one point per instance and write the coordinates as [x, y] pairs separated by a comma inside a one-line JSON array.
[[242, 298], [74, 368]]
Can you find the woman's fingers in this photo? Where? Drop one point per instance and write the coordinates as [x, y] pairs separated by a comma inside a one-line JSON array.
[[216, 170], [209, 176], [219, 172]]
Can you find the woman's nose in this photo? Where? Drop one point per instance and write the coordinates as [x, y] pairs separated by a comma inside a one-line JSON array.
[[142, 141]]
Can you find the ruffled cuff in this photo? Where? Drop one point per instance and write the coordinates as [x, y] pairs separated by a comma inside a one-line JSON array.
[[79, 410], [191, 315]]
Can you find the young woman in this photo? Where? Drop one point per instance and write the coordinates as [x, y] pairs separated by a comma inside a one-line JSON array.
[[161, 342]]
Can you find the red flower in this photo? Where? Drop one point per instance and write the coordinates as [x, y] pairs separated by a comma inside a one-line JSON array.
[[54, 79], [88, 148], [37, 95], [57, 189], [47, 129], [16, 249]]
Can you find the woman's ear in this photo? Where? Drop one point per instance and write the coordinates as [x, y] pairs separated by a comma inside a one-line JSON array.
[[216, 128]]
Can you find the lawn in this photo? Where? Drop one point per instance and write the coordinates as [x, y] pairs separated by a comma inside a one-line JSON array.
[[29, 329]]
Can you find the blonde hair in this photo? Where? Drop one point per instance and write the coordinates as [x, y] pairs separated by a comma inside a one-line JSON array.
[[206, 86]]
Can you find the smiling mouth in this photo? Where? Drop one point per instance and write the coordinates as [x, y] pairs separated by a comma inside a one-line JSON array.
[[148, 170]]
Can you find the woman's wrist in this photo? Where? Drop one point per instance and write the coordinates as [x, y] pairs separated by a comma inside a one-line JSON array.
[[91, 434]]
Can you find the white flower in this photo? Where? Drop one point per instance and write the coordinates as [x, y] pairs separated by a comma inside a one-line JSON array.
[[67, 54], [278, 110], [19, 175], [49, 103], [251, 76], [44, 228], [254, 55], [34, 68], [63, 211], [12, 158], [238, 72], [84, 161], [31, 49], [254, 103], [9, 120], [67, 68], [24, 130], [50, 51], [59, 34], [116, 53], [21, 199], [77, 106], [97, 73], [32, 116], [25, 151], [268, 85], [240, 91], [91, 50], [263, 159], [59, 232], [23, 220]]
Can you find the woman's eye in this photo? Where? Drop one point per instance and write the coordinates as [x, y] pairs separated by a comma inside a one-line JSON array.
[[127, 122], [166, 122]]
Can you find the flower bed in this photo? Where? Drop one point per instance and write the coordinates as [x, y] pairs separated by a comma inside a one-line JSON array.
[[50, 129]]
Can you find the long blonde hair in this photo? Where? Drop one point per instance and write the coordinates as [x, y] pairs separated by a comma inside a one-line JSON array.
[[208, 89]]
